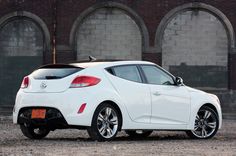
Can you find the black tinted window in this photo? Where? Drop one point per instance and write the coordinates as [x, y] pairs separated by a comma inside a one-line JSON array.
[[156, 76], [129, 72], [54, 73]]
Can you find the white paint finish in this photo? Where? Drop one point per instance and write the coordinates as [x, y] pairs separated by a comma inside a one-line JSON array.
[[132, 98], [136, 99], [109, 33], [194, 38], [199, 97], [170, 104]]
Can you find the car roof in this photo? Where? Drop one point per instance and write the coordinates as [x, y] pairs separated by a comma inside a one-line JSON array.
[[105, 64]]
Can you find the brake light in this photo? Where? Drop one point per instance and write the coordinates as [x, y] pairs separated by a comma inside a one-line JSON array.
[[84, 81], [25, 82]]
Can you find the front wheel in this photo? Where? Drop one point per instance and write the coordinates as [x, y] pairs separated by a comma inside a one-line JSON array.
[[34, 133], [206, 124], [105, 123]]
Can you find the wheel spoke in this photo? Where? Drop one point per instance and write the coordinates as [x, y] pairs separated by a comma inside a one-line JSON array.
[[196, 127], [204, 132], [207, 114], [197, 117], [211, 125], [108, 112], [109, 131], [102, 130], [100, 117], [113, 121]]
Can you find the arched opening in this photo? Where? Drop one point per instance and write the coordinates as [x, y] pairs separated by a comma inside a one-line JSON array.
[[109, 31], [195, 40], [22, 43]]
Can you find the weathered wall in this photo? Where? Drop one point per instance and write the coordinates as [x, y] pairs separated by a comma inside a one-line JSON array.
[[212, 56], [108, 33], [195, 42], [22, 45], [21, 37]]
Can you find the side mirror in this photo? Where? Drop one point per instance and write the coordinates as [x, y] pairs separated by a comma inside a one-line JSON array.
[[179, 81]]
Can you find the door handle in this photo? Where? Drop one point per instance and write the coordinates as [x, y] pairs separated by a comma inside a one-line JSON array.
[[156, 93]]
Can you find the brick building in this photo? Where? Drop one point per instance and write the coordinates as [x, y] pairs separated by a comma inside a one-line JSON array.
[[193, 39]]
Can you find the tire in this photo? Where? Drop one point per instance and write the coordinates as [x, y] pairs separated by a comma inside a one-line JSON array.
[[105, 123], [34, 133], [138, 134], [206, 124]]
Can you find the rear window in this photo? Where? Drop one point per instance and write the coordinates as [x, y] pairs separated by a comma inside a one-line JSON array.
[[55, 72]]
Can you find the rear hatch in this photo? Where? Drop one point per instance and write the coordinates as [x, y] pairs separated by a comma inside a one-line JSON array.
[[52, 78]]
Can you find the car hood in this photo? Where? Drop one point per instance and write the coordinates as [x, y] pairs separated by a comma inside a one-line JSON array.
[[190, 89]]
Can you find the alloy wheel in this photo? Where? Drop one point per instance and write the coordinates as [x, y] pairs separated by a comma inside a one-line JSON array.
[[205, 124], [107, 122]]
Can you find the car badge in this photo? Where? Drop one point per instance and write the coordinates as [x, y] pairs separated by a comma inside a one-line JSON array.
[[43, 85]]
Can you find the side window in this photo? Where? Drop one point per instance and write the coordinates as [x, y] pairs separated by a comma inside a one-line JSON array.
[[129, 72], [156, 76]]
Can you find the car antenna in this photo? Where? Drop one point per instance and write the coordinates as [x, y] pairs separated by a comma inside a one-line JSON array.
[[91, 58]]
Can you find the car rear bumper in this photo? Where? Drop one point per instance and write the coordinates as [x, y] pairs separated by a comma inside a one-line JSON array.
[[53, 118], [67, 103]]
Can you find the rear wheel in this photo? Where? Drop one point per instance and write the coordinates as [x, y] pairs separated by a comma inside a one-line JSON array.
[[206, 124], [138, 133], [105, 123], [34, 133]]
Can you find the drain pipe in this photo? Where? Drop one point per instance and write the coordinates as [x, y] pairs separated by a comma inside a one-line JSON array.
[[54, 31]]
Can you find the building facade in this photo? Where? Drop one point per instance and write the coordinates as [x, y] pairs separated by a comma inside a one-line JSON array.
[[193, 39]]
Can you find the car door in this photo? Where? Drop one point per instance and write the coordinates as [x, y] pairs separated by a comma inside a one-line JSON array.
[[127, 81], [170, 103]]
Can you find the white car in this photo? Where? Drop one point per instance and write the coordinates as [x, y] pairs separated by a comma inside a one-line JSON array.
[[106, 97]]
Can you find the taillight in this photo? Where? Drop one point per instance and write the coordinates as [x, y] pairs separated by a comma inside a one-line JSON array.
[[25, 82], [84, 81]]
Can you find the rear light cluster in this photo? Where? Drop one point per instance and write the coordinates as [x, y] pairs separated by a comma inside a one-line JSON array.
[[84, 81], [25, 82]]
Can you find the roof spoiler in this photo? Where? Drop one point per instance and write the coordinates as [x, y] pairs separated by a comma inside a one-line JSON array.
[[59, 65], [94, 59]]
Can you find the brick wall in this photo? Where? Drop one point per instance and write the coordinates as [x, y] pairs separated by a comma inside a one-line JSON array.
[[150, 12], [197, 40], [108, 33], [21, 38]]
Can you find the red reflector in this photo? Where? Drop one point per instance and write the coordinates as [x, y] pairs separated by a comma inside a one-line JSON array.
[[84, 81], [82, 107], [25, 82]]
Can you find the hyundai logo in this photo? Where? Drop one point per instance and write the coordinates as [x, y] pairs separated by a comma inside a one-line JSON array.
[[43, 85]]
